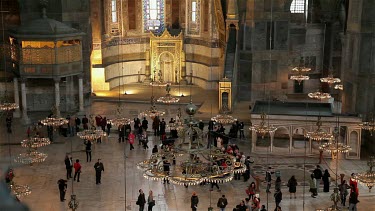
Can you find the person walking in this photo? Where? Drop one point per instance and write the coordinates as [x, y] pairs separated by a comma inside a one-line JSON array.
[[155, 126], [318, 174], [278, 197], [278, 183], [240, 128], [250, 191], [353, 200], [68, 166], [77, 170], [163, 125], [62, 188], [194, 202], [326, 177], [131, 139], [144, 123], [141, 201], [99, 167], [292, 185], [88, 150], [166, 169], [312, 182], [343, 188], [150, 200], [222, 203], [121, 133], [8, 121], [268, 179]]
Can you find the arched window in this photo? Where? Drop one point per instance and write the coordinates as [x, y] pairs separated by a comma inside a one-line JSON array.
[[114, 11], [298, 6], [193, 17], [153, 15]]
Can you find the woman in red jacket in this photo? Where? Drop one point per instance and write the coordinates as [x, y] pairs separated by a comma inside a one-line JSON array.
[[131, 139]]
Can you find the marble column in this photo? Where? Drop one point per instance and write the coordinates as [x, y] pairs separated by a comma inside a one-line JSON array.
[[57, 95], [271, 145], [80, 92], [17, 113], [253, 140], [25, 118]]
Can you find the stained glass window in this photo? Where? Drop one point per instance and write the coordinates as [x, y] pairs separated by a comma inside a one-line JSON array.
[[114, 11], [153, 15], [298, 6]]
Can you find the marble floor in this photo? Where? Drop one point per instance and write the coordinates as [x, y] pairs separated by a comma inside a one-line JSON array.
[[121, 179]]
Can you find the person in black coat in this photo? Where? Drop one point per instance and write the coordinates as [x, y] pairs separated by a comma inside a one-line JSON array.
[[325, 178], [99, 167], [162, 126], [68, 166], [292, 184], [62, 188], [194, 202], [141, 201], [121, 133], [88, 150], [166, 169], [278, 197]]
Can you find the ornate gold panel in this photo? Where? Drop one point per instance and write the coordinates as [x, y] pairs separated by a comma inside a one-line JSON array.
[[166, 57]]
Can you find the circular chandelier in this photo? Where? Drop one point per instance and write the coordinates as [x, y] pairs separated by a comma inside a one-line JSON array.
[[54, 121], [262, 128], [31, 157], [119, 119], [91, 135], [35, 142], [319, 95], [369, 125], [334, 147], [20, 190], [8, 106], [299, 78], [367, 178], [224, 118], [299, 72], [319, 134], [152, 112], [330, 80], [168, 98], [193, 163]]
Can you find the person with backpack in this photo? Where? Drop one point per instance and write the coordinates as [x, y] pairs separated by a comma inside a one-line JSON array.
[[222, 203]]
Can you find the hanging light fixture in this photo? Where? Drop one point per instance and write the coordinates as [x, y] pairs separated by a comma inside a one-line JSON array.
[[91, 135], [54, 120], [319, 95], [368, 178], [262, 128], [299, 73], [194, 162], [334, 147], [339, 87], [119, 119], [224, 118], [152, 112], [319, 134], [369, 125], [35, 142], [330, 80], [32, 155], [20, 190], [168, 98]]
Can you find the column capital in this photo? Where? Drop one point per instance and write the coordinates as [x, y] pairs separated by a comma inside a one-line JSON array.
[[56, 79], [22, 79]]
